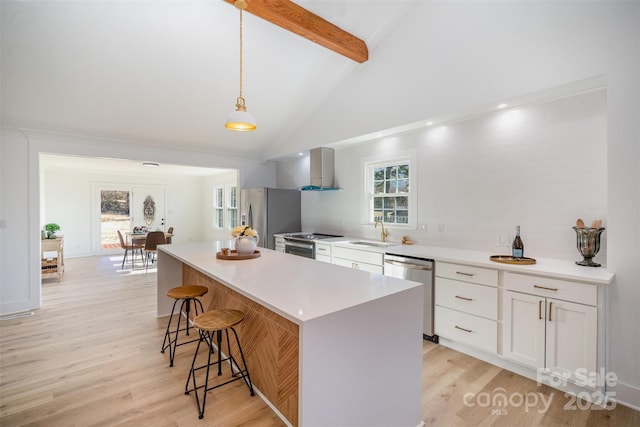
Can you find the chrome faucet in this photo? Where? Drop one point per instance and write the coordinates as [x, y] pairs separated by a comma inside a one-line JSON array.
[[384, 233]]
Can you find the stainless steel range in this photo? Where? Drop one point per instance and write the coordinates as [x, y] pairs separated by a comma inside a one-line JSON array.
[[304, 244]]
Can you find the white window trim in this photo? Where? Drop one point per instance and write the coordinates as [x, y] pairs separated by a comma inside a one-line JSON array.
[[226, 205], [367, 195], [218, 206]]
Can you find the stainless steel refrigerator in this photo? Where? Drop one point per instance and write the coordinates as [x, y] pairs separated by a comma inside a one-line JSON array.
[[269, 211]]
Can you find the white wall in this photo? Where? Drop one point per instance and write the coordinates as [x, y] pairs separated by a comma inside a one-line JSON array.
[[69, 200], [453, 57], [20, 206], [539, 166], [224, 180]]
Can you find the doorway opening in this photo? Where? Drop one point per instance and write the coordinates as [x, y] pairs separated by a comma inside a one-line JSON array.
[[114, 215]]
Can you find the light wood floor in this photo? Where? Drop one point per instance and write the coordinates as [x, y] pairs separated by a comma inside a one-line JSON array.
[[90, 356]]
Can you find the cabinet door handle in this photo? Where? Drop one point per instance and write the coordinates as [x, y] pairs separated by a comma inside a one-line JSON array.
[[464, 298], [540, 310], [464, 274], [544, 287], [463, 329], [550, 305]]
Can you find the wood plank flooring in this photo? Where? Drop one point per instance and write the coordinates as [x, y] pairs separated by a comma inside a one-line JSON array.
[[91, 356]]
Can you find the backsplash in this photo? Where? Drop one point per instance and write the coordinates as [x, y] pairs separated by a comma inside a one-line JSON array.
[[539, 166]]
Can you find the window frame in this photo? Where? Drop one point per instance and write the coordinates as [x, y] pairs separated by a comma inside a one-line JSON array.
[[231, 198], [218, 207], [369, 194]]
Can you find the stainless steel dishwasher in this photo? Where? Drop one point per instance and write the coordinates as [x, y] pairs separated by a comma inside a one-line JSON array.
[[418, 270]]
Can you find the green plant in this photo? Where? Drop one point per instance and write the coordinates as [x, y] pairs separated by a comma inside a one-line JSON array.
[[52, 227]]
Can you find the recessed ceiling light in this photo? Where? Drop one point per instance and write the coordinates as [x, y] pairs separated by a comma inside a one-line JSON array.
[[429, 123], [150, 164], [300, 154], [503, 105]]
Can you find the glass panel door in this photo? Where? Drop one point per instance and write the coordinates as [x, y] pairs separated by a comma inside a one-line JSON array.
[[114, 215]]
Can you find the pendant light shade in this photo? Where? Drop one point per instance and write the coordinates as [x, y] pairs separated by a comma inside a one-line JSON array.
[[240, 119]]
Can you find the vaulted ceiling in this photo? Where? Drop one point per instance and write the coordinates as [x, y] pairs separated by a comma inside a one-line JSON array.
[[166, 73]]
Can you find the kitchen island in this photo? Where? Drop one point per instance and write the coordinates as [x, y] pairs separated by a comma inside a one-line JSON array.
[[326, 345]]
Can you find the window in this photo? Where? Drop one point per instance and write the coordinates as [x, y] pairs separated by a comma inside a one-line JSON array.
[[388, 185], [218, 201], [232, 207], [225, 206]]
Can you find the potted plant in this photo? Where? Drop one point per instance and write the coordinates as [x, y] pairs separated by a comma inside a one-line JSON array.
[[51, 229]]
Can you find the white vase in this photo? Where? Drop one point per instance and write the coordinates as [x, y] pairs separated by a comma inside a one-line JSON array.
[[246, 245]]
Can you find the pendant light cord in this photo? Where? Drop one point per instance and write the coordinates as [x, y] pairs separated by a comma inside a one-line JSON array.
[[240, 52]]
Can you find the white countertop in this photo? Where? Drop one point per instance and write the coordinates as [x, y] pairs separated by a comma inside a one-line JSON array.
[[297, 288], [543, 266]]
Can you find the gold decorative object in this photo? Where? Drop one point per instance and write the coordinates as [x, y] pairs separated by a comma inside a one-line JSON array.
[[508, 259], [233, 255]]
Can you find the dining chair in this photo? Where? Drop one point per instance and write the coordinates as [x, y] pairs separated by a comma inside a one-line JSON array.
[[154, 238], [168, 238], [134, 246]]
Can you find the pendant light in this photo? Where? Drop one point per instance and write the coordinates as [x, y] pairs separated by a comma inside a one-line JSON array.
[[240, 119]]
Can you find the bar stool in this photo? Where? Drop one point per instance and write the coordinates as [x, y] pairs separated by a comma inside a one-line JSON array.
[[216, 321], [186, 294]]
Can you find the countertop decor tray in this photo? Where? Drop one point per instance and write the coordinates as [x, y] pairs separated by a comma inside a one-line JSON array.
[[233, 255], [508, 259]]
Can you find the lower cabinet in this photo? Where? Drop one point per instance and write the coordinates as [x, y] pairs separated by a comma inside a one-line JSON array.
[[279, 246], [466, 328], [466, 305], [549, 329], [323, 252], [358, 259], [542, 332]]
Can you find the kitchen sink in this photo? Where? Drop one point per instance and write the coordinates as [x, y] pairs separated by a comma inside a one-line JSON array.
[[372, 244]]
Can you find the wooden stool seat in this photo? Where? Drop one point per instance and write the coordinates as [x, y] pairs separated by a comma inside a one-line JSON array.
[[188, 294], [189, 291], [216, 320], [211, 326]]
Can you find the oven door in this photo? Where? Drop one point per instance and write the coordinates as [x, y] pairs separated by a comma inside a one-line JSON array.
[[305, 249]]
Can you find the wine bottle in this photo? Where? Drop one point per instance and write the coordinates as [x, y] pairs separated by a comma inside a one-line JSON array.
[[517, 248]]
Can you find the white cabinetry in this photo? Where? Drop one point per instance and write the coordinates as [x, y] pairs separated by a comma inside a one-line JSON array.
[[466, 308], [551, 324], [323, 252], [358, 259]]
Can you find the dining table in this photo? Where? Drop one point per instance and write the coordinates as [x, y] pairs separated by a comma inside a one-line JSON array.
[[139, 237]]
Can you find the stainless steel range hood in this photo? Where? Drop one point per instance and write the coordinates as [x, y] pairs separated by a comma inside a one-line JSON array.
[[321, 165]]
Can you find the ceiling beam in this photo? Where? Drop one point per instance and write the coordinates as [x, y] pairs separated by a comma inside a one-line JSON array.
[[294, 18]]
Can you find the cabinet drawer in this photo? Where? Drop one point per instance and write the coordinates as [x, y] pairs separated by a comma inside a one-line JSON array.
[[482, 276], [323, 258], [323, 249], [554, 288], [358, 265], [358, 255], [467, 297], [466, 329], [279, 241]]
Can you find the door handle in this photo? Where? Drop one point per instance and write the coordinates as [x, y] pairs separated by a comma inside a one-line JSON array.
[[550, 305], [464, 298], [463, 329], [540, 310], [545, 288], [408, 265], [464, 274]]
